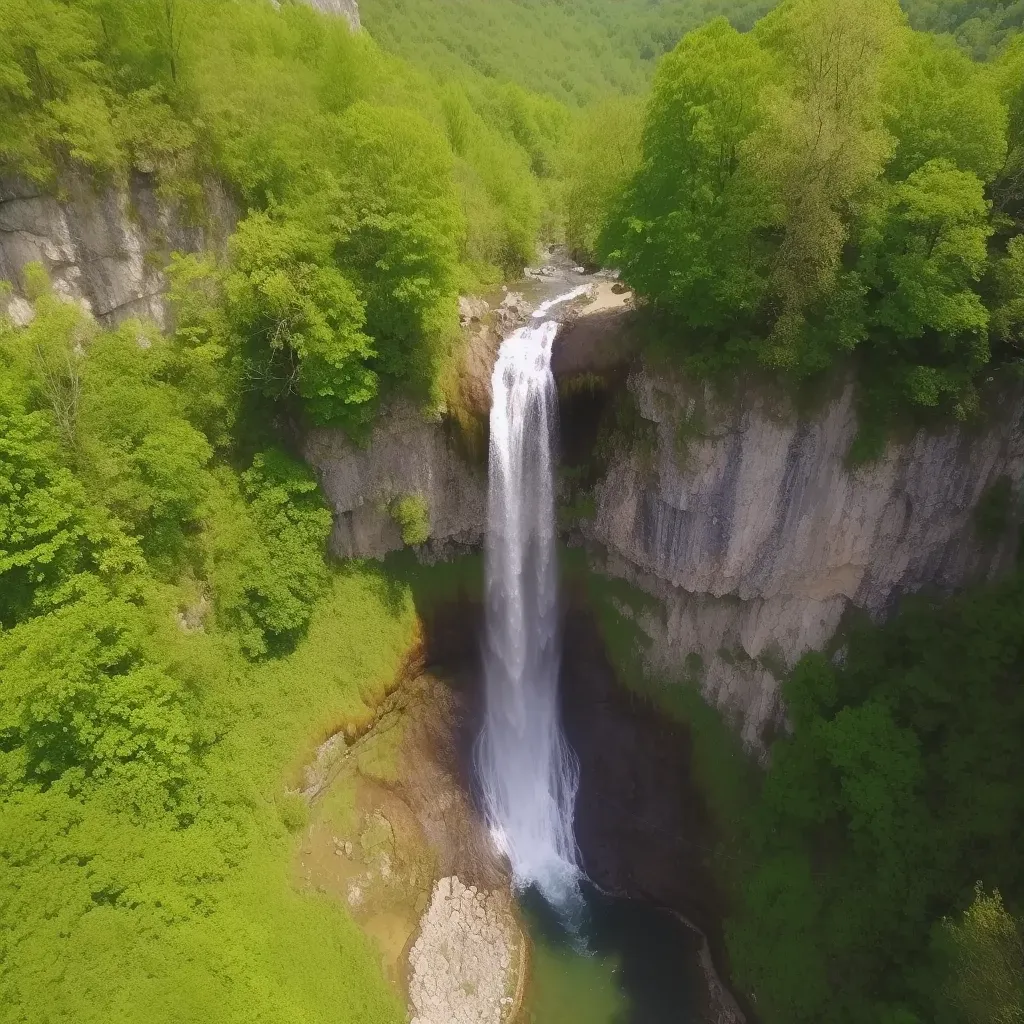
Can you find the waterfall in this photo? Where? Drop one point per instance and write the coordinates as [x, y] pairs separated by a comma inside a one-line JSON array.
[[527, 772]]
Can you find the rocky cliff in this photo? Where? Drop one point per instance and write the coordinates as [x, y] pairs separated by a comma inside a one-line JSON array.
[[747, 522], [347, 9], [743, 517], [406, 455], [103, 248]]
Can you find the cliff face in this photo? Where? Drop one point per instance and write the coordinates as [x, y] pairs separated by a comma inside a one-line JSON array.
[[406, 455], [747, 523], [742, 517], [104, 249]]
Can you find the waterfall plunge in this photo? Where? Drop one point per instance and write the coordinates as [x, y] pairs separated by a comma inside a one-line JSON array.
[[528, 774]]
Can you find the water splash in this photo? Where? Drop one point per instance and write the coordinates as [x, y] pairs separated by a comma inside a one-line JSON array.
[[528, 773]]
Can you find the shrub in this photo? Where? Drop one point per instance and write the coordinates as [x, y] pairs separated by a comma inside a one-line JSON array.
[[413, 517]]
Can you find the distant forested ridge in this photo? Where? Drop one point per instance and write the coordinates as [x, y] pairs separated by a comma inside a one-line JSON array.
[[578, 51], [981, 27]]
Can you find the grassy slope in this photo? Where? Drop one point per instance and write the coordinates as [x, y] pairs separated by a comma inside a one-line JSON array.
[[128, 921]]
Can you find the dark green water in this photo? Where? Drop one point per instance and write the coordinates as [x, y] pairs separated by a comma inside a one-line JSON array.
[[629, 964]]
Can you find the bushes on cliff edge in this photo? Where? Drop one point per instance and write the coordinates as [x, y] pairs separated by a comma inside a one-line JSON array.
[[830, 184]]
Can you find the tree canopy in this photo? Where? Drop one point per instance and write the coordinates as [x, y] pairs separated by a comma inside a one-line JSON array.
[[830, 183]]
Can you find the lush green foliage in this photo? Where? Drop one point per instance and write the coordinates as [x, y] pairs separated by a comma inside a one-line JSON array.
[[143, 854], [413, 518], [602, 153], [579, 51], [986, 952], [370, 192], [831, 182], [899, 790], [980, 26]]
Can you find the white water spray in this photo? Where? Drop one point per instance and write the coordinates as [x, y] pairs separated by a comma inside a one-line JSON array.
[[527, 771]]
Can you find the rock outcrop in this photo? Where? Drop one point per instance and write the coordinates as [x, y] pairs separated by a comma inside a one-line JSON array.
[[406, 455], [749, 525], [104, 249], [347, 9], [743, 518]]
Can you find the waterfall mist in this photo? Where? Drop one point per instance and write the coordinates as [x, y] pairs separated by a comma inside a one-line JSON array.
[[528, 774]]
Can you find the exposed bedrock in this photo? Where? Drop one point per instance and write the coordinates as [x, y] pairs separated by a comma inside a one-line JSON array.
[[750, 526], [744, 518], [103, 248], [347, 9], [406, 456]]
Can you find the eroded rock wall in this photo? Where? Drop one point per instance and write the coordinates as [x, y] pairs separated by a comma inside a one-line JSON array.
[[406, 455], [748, 524], [104, 248]]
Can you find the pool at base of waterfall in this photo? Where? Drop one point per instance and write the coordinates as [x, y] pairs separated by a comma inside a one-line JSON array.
[[629, 963]]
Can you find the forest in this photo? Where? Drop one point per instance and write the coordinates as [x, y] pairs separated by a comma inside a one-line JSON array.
[[793, 193]]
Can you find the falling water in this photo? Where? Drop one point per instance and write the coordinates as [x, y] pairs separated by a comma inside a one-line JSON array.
[[528, 773]]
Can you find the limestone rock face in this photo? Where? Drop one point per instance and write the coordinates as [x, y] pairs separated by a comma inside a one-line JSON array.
[[102, 249], [406, 455], [347, 9], [748, 524]]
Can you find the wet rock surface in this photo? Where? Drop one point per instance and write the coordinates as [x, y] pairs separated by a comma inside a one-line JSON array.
[[642, 824]]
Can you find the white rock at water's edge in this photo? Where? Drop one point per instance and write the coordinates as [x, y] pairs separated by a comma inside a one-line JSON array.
[[460, 962]]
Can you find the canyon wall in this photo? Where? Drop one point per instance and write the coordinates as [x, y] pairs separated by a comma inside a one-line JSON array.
[[742, 517], [747, 522], [406, 455], [103, 248]]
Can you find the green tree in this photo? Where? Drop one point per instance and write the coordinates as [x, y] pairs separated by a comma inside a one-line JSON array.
[[1008, 299], [402, 237], [987, 955], [85, 703], [603, 152], [692, 229], [823, 146], [923, 250], [298, 320], [940, 105], [137, 448], [265, 552]]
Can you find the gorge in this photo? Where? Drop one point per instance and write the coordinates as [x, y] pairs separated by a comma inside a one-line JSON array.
[[511, 512]]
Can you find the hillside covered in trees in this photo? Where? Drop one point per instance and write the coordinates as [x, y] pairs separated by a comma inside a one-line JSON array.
[[791, 193], [578, 51], [831, 185]]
